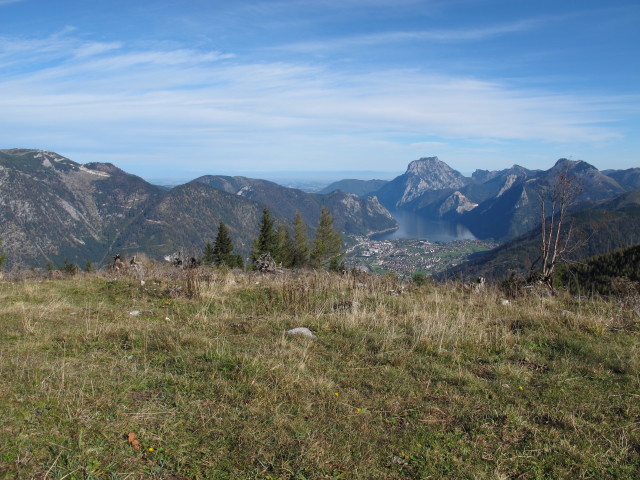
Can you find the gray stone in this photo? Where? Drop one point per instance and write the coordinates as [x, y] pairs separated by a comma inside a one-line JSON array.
[[304, 331]]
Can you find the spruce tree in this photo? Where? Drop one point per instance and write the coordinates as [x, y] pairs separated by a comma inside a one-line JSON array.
[[221, 253], [267, 241], [284, 250], [300, 247], [208, 257], [223, 245], [327, 248]]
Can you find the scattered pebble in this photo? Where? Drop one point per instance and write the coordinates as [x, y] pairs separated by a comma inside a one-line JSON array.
[[134, 313]]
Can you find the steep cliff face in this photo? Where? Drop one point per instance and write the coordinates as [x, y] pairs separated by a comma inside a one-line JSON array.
[[422, 177], [455, 204]]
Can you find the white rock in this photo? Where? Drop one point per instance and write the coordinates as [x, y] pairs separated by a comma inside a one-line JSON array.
[[304, 331], [505, 302], [134, 313]]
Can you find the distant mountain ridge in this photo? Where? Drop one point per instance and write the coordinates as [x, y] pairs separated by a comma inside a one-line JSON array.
[[362, 188], [52, 208], [351, 213], [492, 204]]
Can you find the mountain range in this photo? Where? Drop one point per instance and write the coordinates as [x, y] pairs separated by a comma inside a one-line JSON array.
[[505, 205], [52, 209], [495, 204]]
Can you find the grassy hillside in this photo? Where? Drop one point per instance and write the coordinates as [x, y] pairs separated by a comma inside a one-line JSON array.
[[191, 375]]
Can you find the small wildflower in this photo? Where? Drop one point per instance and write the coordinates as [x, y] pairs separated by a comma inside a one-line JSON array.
[[358, 410], [150, 449], [336, 394], [520, 388]]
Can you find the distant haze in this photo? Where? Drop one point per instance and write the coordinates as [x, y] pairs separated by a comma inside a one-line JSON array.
[[292, 178]]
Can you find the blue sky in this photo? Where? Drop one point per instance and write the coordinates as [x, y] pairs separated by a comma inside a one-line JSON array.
[[180, 88]]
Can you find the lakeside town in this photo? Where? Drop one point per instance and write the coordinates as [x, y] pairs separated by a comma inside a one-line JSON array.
[[405, 257]]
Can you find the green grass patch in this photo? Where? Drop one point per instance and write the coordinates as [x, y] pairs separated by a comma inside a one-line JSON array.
[[431, 382]]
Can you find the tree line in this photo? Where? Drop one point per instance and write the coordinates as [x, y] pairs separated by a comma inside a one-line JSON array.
[[290, 249], [604, 274]]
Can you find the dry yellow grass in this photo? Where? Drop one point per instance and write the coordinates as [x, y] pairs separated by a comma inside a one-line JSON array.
[[401, 381]]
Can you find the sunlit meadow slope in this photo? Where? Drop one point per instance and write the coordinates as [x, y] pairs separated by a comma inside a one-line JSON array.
[[191, 375]]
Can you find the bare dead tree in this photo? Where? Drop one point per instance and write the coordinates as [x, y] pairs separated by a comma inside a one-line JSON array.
[[557, 236]]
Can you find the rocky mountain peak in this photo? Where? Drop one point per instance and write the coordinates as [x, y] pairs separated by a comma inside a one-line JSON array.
[[425, 165], [429, 174], [573, 166]]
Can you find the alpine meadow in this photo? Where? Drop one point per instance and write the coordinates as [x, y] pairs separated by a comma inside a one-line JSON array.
[[319, 240]]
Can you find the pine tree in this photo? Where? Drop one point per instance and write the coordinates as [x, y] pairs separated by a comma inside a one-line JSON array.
[[221, 253], [300, 247], [327, 249], [223, 245], [208, 257], [284, 251], [267, 241]]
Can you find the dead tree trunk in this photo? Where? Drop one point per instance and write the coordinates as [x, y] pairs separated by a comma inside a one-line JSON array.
[[556, 232]]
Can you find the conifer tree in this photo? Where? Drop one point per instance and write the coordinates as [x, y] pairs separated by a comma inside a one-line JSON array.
[[222, 251], [300, 246], [267, 241], [208, 257], [285, 248], [223, 246], [327, 248]]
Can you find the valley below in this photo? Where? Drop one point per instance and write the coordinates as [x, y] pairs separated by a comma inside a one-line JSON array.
[[407, 256]]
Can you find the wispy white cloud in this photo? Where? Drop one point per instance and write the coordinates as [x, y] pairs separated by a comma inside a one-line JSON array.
[[433, 35], [186, 101], [95, 48]]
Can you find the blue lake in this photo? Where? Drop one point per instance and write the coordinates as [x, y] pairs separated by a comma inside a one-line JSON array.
[[414, 226]]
